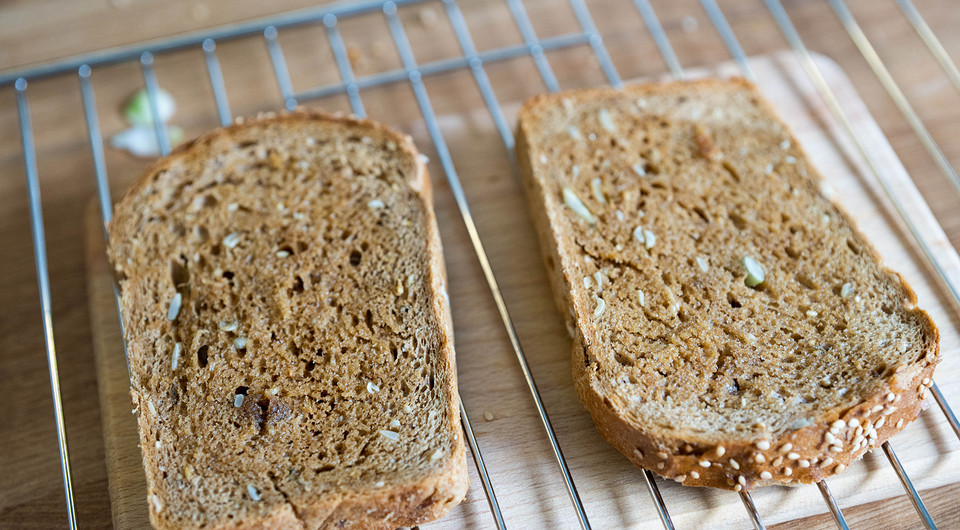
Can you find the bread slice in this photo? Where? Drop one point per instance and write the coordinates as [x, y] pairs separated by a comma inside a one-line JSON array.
[[649, 202], [288, 330]]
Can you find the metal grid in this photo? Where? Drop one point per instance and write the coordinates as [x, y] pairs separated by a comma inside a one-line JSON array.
[[474, 61]]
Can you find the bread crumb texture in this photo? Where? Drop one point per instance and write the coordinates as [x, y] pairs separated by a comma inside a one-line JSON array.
[[727, 313], [289, 341]]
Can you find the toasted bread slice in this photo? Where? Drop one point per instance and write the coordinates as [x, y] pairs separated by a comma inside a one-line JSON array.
[[288, 330], [731, 326]]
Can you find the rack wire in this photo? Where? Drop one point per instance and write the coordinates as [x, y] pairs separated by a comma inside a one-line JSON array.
[[474, 61]]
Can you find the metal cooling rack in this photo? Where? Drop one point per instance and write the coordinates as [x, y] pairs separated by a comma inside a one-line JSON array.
[[474, 61]]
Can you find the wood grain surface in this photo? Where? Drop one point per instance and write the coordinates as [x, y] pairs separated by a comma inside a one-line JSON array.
[[30, 488]]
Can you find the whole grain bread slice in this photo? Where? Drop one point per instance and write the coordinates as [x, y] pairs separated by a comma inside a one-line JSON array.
[[288, 329], [731, 326]]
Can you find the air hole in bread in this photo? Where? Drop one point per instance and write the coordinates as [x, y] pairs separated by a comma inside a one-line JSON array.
[[355, 258], [806, 281], [297, 285], [202, 356], [702, 213], [732, 300], [179, 273], [853, 247], [738, 220]]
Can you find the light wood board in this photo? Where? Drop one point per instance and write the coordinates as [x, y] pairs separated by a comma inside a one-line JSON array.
[[525, 477]]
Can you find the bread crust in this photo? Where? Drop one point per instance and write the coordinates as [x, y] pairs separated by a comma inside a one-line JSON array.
[[798, 456], [406, 504]]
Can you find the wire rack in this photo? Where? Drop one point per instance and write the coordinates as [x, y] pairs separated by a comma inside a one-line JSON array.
[[475, 62]]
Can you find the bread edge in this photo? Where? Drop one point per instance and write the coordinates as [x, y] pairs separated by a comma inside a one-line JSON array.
[[433, 496], [730, 466]]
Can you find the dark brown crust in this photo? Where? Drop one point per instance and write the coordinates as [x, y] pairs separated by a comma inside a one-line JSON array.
[[734, 464], [406, 505]]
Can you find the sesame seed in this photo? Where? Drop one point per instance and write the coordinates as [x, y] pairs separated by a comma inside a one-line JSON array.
[[786, 447], [638, 169], [240, 343], [804, 463], [376, 204], [282, 254], [840, 468], [812, 314], [638, 452], [389, 435], [827, 461], [174, 308], [846, 290], [765, 475], [231, 240], [596, 185], [876, 408], [253, 492], [157, 505], [858, 439], [238, 400], [175, 356], [888, 410], [151, 407], [605, 120], [835, 448], [228, 326], [872, 434], [763, 445], [891, 396], [681, 478], [760, 458], [660, 465], [793, 456], [742, 480], [785, 144], [738, 488], [661, 455], [601, 307], [379, 483], [734, 464], [777, 461], [834, 430], [575, 204], [926, 381], [372, 387], [649, 239], [880, 423], [695, 475], [435, 455], [788, 471], [704, 463], [543, 159], [487, 415], [721, 450], [899, 423], [829, 438], [859, 431], [574, 132], [839, 424], [790, 159], [394, 423], [853, 423]]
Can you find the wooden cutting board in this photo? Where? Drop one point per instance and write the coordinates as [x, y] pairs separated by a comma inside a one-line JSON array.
[[525, 477]]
